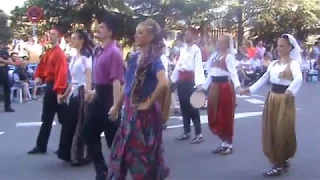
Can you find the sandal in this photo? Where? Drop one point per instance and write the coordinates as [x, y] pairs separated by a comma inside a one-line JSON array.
[[196, 140], [226, 151], [219, 150], [183, 137], [273, 172], [286, 166]]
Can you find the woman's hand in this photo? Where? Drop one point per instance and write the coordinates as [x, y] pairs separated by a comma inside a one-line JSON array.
[[113, 113], [245, 91], [288, 93], [144, 105], [88, 97]]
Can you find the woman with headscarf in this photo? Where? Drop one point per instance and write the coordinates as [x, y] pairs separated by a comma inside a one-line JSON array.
[[278, 122], [137, 146], [221, 97], [71, 147]]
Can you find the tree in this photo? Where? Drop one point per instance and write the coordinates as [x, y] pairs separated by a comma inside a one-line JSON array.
[[299, 17], [5, 31]]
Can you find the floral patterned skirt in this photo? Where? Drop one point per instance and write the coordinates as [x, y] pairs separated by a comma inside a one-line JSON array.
[[137, 146]]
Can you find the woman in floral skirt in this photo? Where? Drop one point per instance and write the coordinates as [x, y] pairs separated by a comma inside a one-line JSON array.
[[137, 147]]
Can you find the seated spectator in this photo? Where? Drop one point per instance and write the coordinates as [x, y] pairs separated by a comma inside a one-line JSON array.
[[246, 69], [266, 60], [21, 78]]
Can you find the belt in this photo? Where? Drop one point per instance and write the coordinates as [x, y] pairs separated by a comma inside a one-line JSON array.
[[278, 88], [219, 79]]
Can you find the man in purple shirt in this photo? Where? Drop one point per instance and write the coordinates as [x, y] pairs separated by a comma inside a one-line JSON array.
[[108, 77]]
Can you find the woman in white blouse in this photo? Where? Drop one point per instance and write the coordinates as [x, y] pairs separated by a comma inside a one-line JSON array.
[[71, 147], [222, 81], [278, 125]]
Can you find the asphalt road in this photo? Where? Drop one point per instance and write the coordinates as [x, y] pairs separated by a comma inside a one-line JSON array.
[[18, 132]]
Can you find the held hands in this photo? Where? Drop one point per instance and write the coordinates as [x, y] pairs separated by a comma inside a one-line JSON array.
[[88, 97], [113, 113], [144, 105], [244, 91], [61, 98]]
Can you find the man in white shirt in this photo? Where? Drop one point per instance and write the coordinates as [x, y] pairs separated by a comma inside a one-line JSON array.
[[187, 74]]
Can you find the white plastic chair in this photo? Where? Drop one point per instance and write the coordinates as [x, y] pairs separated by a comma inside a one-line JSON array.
[[19, 94], [14, 89]]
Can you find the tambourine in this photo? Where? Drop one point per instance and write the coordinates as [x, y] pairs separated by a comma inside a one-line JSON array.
[[198, 99]]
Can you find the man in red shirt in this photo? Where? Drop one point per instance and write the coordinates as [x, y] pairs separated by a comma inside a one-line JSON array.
[[53, 71]]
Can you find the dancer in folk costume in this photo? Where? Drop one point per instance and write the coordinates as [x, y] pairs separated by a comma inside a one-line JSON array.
[[278, 122], [71, 146], [221, 68], [53, 71], [137, 147], [188, 74]]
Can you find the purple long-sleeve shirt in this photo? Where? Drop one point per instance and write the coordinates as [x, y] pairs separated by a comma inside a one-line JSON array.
[[109, 65]]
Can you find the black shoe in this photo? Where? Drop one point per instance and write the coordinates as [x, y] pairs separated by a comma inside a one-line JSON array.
[[226, 151], [164, 127], [286, 166], [36, 150], [275, 171], [9, 110], [219, 150], [196, 140], [102, 176], [183, 137]]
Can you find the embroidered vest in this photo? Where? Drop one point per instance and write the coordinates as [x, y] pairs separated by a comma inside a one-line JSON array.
[[287, 73], [220, 62]]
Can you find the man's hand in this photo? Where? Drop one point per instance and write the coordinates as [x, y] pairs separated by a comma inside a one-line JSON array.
[[113, 113], [88, 97], [60, 98], [38, 81]]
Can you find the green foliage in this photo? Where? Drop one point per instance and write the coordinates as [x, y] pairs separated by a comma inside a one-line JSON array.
[[5, 31], [300, 17], [263, 17]]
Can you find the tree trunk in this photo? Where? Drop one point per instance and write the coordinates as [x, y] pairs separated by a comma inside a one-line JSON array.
[[240, 23]]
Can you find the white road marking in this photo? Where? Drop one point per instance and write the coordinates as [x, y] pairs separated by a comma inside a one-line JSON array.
[[242, 97], [204, 118], [257, 95], [255, 101], [29, 124], [1, 133]]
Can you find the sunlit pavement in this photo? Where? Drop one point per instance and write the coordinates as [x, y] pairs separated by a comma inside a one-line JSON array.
[[18, 132]]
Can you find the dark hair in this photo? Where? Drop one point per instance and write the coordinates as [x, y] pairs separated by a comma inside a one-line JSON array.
[[112, 24], [286, 37], [86, 49]]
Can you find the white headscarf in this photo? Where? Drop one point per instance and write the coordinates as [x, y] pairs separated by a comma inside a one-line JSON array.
[[295, 53]]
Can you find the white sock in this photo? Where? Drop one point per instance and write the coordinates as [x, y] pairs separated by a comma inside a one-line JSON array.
[[224, 144], [230, 146]]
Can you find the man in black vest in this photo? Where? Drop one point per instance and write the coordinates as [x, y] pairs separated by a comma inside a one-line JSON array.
[[4, 76]]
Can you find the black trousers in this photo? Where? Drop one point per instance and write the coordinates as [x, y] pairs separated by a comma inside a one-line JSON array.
[[185, 90], [5, 83], [97, 121], [49, 109], [71, 146]]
